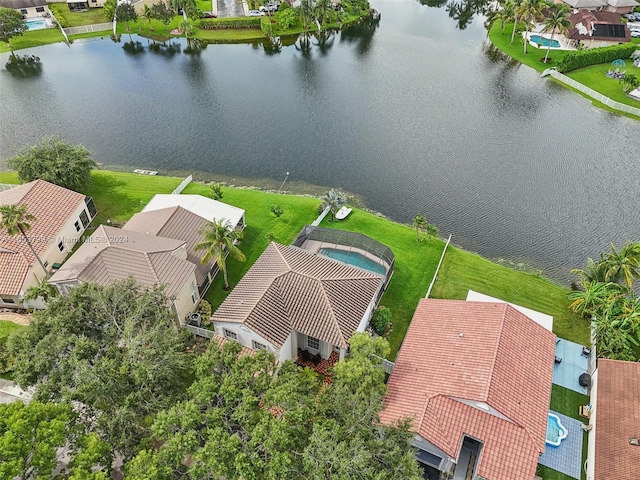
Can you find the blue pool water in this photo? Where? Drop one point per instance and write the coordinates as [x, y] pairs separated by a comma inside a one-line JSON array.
[[354, 258], [556, 432], [36, 24], [537, 39]]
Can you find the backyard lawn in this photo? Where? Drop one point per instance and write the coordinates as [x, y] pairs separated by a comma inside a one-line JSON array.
[[76, 19], [596, 78], [7, 328], [33, 38]]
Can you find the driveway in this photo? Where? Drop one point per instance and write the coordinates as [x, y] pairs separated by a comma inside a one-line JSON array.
[[230, 8]]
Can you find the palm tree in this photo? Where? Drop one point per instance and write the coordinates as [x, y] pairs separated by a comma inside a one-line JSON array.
[[15, 219], [219, 241], [148, 15], [516, 18], [419, 223], [323, 9], [623, 265], [595, 297], [592, 272], [629, 82], [558, 20], [432, 231], [528, 11], [503, 14], [43, 290], [306, 11], [335, 200]]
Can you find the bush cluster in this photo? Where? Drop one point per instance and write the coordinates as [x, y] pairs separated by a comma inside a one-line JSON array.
[[250, 22], [594, 56], [380, 320]]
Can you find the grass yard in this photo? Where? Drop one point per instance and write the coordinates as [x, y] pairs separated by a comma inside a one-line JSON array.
[[463, 270], [33, 38], [6, 328], [589, 76], [76, 19]]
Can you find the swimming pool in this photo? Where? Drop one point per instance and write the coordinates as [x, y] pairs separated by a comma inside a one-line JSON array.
[[354, 258], [36, 24], [539, 40], [556, 432]]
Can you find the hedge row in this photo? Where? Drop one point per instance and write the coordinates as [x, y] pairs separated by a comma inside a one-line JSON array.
[[251, 22], [594, 56]]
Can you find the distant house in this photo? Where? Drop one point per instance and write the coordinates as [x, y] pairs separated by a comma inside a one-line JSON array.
[[614, 438], [183, 217], [61, 217], [112, 254], [617, 6], [84, 5], [475, 378], [28, 8], [621, 6], [293, 299], [597, 29]]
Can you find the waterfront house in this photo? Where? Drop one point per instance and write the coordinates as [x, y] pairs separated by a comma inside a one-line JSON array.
[[112, 254], [475, 379], [617, 6], [28, 8], [614, 421], [297, 300], [61, 217], [597, 29]]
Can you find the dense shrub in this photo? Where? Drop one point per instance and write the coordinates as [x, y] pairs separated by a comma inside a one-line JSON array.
[[380, 320], [266, 26], [594, 56], [277, 209], [215, 24], [287, 18]]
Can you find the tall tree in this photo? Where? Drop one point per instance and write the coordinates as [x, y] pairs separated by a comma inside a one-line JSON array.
[[219, 241], [109, 9], [504, 14], [529, 11], [160, 11], [629, 82], [54, 161], [11, 25], [419, 224], [43, 290], [306, 12], [594, 297], [557, 21], [15, 219], [188, 7], [125, 12], [623, 265], [335, 200], [516, 18], [113, 349]]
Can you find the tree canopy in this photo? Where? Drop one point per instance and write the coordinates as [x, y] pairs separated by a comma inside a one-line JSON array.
[[114, 349], [54, 161], [243, 422], [11, 24]]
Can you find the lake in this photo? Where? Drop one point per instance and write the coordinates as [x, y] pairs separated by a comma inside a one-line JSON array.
[[411, 113]]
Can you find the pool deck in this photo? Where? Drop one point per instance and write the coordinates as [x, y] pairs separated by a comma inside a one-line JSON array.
[[566, 458], [574, 364]]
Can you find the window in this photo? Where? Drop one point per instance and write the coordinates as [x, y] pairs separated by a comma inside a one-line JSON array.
[[230, 334], [46, 264], [77, 225], [61, 246], [23, 11], [194, 295], [84, 218], [313, 342], [258, 345], [40, 9], [90, 206], [94, 1], [8, 301]]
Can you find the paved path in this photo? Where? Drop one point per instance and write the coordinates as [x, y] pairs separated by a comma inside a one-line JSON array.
[[15, 318], [10, 392]]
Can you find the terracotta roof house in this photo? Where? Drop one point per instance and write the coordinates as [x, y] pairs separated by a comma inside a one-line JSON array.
[[113, 254], [614, 438], [61, 217], [295, 299], [597, 29], [475, 378], [28, 8]]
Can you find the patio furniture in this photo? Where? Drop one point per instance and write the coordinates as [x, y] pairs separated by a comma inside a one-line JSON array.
[[557, 359], [586, 351], [342, 213], [584, 380], [585, 411]]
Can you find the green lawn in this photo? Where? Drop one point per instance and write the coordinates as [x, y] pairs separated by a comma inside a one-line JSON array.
[[6, 328], [463, 270], [33, 38], [592, 76], [76, 19]]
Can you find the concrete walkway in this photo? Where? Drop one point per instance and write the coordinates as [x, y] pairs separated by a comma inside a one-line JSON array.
[[15, 318], [10, 392]]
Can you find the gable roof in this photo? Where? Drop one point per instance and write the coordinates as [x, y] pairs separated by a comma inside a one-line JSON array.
[[586, 3], [52, 206], [112, 254], [18, 4], [466, 368], [617, 419], [207, 208], [178, 223], [290, 289], [623, 3]]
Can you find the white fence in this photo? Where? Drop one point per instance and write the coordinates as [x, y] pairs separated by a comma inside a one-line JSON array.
[[98, 27], [201, 332], [435, 275], [592, 93], [183, 185]]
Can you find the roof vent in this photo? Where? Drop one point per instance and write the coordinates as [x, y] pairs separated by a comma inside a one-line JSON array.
[[634, 441], [461, 335]]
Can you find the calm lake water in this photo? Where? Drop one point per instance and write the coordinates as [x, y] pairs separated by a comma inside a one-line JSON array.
[[411, 113]]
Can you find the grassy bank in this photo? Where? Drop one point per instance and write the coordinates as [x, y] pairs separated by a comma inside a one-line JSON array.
[[119, 195], [593, 76], [77, 19]]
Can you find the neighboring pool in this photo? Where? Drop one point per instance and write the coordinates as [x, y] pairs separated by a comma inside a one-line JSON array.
[[556, 432], [36, 24], [354, 258], [539, 40]]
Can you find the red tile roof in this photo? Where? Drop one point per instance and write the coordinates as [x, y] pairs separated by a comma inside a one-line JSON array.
[[479, 353], [617, 410], [52, 206]]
